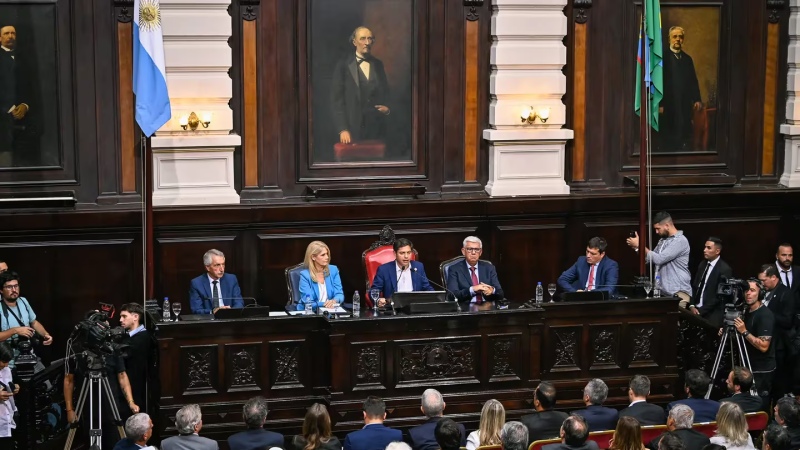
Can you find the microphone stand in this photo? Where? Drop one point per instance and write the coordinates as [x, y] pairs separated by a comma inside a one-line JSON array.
[[455, 298]]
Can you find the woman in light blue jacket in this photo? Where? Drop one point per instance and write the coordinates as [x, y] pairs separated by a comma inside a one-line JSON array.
[[319, 281]]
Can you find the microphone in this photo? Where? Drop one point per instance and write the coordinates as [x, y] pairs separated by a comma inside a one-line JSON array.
[[397, 282], [455, 298]]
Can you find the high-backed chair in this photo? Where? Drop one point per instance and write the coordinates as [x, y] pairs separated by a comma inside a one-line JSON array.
[[445, 266], [380, 252], [756, 421], [293, 285], [490, 447], [602, 438], [537, 445], [650, 432]]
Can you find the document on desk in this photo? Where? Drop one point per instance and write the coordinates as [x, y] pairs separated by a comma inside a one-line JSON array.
[[337, 310]]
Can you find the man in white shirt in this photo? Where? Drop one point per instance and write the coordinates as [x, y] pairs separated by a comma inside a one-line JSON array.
[[401, 275], [786, 271], [215, 289], [7, 392], [710, 273]]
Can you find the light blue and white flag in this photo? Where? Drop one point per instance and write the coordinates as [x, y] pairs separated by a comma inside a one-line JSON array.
[[149, 76]]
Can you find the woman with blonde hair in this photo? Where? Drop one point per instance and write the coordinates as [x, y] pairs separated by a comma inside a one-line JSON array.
[[493, 417], [732, 428], [319, 281], [627, 436], [316, 431]]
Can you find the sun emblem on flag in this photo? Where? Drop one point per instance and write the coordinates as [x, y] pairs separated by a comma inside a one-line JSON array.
[[149, 15]]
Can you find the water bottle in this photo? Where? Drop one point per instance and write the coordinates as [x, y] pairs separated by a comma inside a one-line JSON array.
[[309, 306], [356, 305], [165, 315], [539, 294], [657, 287]]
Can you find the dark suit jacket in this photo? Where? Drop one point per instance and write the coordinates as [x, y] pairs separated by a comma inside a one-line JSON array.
[[749, 403], [645, 413], [16, 88], [589, 445], [190, 442], [781, 304], [543, 424], [346, 95], [459, 280], [692, 439], [299, 443], [422, 437], [372, 437], [126, 444], [605, 278], [599, 418], [704, 410], [140, 365], [386, 278], [713, 309], [200, 293], [256, 439]]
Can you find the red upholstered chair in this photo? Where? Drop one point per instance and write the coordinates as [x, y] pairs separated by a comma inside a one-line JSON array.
[[602, 438], [380, 252], [537, 445], [650, 432], [756, 421], [707, 428], [359, 151]]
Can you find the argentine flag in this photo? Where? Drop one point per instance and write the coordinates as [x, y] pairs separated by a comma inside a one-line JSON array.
[[149, 76]]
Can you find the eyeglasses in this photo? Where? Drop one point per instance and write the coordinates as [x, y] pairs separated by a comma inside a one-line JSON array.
[[11, 287], [472, 250]]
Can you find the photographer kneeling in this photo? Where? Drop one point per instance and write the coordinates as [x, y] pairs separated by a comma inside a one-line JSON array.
[[18, 321]]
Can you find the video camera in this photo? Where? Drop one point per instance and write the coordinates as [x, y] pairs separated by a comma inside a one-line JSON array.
[[95, 335], [731, 291]]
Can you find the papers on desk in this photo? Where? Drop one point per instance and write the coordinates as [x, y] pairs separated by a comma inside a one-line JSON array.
[[337, 310], [285, 313]]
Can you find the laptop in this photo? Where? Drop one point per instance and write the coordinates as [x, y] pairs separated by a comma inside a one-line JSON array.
[[585, 296], [403, 299], [236, 313]]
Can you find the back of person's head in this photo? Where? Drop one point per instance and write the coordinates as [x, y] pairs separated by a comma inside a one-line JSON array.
[[254, 412], [662, 217], [697, 382], [731, 424], [712, 447], [742, 376], [640, 386], [682, 416], [398, 445], [628, 434], [575, 430], [493, 417], [6, 353], [789, 412], [447, 434], [374, 407], [187, 419], [546, 395], [316, 426], [514, 436], [596, 391], [671, 441], [138, 427], [777, 437], [432, 403]]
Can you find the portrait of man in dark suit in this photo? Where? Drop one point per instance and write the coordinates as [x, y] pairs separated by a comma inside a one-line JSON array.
[[681, 94], [18, 146]]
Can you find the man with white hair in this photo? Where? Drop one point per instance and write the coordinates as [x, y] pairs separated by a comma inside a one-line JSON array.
[[474, 281], [398, 446], [514, 436], [598, 417], [189, 422], [680, 420], [138, 429], [423, 436], [214, 289]]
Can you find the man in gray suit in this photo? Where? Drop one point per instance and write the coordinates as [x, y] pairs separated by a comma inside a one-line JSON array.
[[189, 421]]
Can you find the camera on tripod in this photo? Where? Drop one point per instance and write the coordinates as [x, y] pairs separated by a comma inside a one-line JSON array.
[[94, 335], [731, 291]]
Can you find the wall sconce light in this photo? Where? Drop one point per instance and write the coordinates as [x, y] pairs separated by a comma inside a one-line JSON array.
[[192, 121], [529, 115]]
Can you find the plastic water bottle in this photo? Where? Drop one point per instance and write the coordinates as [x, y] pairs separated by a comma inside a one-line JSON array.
[[165, 314], [356, 305], [657, 287], [309, 306], [539, 294]]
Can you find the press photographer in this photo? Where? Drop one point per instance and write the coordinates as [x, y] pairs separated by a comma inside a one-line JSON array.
[[141, 358], [18, 324]]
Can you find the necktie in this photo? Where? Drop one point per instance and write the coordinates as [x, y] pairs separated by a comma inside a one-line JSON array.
[[701, 288], [590, 284], [786, 280], [215, 294], [478, 297], [360, 60]]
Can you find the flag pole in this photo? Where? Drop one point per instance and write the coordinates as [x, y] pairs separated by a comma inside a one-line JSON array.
[[643, 124], [147, 198]]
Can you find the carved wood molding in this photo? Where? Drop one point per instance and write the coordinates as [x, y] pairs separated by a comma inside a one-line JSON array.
[[473, 5], [775, 7], [581, 7], [249, 9], [124, 10]]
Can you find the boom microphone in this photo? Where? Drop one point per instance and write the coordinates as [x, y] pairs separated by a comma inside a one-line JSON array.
[[442, 287]]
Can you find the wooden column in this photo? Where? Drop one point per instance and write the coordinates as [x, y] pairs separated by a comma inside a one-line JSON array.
[[471, 64], [771, 72], [250, 94], [127, 127], [580, 8]]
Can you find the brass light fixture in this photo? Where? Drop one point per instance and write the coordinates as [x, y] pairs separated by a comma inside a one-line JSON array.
[[192, 121], [530, 114]]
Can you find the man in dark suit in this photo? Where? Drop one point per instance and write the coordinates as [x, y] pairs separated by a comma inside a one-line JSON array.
[[422, 436], [597, 416], [787, 415], [709, 274], [680, 420], [215, 289], [781, 302], [645, 413], [777, 438], [595, 271], [545, 423], [573, 433], [256, 437], [695, 386], [474, 281], [138, 429], [17, 143], [360, 92], [402, 274], [141, 359], [786, 271], [189, 422], [670, 441], [681, 96], [375, 435], [739, 382], [449, 435]]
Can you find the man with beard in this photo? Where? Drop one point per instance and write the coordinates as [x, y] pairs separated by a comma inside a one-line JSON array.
[[18, 319], [780, 301], [15, 99], [681, 95], [141, 356], [709, 274], [783, 261]]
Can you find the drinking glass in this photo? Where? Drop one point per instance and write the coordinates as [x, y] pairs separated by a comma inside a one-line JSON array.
[[648, 285], [176, 309], [375, 294], [551, 289]]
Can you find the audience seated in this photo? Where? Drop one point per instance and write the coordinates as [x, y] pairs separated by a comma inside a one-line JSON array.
[[138, 429], [189, 422], [422, 436], [679, 422], [776, 438], [255, 437], [739, 382], [514, 436], [787, 414], [449, 435], [574, 433], [732, 428], [398, 445], [545, 423], [670, 441], [597, 416], [645, 413], [316, 431], [696, 385], [627, 435], [493, 417], [374, 435]]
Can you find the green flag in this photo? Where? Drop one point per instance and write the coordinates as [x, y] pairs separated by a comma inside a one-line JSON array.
[[652, 55]]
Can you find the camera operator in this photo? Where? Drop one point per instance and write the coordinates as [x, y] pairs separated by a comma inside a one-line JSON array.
[[140, 358], [7, 406], [18, 319]]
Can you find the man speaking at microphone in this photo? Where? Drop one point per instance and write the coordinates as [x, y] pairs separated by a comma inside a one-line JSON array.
[[474, 281], [594, 272], [402, 274], [215, 289]]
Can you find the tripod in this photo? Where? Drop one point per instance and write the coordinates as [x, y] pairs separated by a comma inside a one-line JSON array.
[[730, 335], [94, 386]]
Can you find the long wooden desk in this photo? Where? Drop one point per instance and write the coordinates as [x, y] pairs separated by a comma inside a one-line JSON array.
[[470, 357]]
